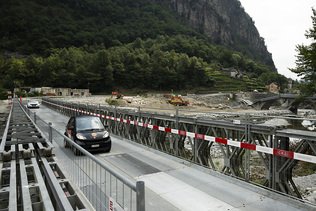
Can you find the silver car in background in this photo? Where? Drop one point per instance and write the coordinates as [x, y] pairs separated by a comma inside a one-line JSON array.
[[33, 104]]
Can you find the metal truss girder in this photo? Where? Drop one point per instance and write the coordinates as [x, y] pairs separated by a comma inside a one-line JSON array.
[[13, 187], [34, 192], [308, 135], [8, 186], [62, 191], [23, 186], [237, 160]]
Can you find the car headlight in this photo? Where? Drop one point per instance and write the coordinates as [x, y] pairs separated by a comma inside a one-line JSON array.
[[106, 134], [80, 136]]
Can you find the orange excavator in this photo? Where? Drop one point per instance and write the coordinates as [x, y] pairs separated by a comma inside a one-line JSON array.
[[117, 95], [177, 100]]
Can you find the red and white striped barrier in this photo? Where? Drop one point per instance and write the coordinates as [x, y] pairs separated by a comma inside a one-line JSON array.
[[225, 141]]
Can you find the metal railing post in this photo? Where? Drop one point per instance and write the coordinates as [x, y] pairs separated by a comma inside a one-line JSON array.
[[115, 122], [50, 132], [177, 127], [140, 196], [247, 153], [196, 143]]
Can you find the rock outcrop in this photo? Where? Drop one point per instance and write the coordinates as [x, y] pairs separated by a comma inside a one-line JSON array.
[[224, 22]]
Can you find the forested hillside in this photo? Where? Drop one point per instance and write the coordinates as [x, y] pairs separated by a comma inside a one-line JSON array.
[[102, 44], [35, 26]]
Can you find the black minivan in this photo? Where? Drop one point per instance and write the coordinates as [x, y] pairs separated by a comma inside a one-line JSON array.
[[88, 132]]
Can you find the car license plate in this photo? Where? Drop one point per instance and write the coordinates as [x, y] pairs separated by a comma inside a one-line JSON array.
[[95, 145]]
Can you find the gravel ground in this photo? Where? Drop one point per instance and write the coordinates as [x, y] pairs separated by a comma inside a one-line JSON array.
[[4, 106], [4, 110], [308, 185]]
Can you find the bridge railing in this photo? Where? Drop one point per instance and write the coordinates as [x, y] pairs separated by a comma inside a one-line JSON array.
[[259, 154], [105, 188], [30, 178]]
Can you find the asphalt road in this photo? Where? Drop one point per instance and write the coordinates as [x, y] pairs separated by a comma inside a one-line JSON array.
[[175, 184]]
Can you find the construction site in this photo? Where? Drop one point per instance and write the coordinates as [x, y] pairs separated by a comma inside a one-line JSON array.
[[265, 108], [213, 106]]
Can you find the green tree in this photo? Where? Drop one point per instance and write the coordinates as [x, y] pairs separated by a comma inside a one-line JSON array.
[[103, 67], [306, 60], [17, 73]]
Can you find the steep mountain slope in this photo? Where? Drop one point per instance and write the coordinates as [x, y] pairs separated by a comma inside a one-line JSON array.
[[224, 22], [132, 44], [33, 26]]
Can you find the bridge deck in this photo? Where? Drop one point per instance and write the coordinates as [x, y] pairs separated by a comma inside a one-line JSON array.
[[175, 184]]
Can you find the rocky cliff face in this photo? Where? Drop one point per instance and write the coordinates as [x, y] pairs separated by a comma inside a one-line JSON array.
[[224, 22]]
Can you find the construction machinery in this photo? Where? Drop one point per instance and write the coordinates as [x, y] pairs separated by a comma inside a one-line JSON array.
[[117, 95], [177, 100]]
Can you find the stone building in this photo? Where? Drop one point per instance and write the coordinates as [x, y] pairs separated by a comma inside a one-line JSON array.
[[273, 88], [50, 91]]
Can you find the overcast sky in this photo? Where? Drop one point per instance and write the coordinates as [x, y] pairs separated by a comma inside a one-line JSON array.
[[282, 23]]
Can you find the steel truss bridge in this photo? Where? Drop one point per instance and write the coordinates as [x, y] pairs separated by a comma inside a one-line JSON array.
[[30, 178], [244, 149]]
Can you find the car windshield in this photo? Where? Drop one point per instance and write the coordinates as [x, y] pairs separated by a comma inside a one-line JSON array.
[[89, 123]]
